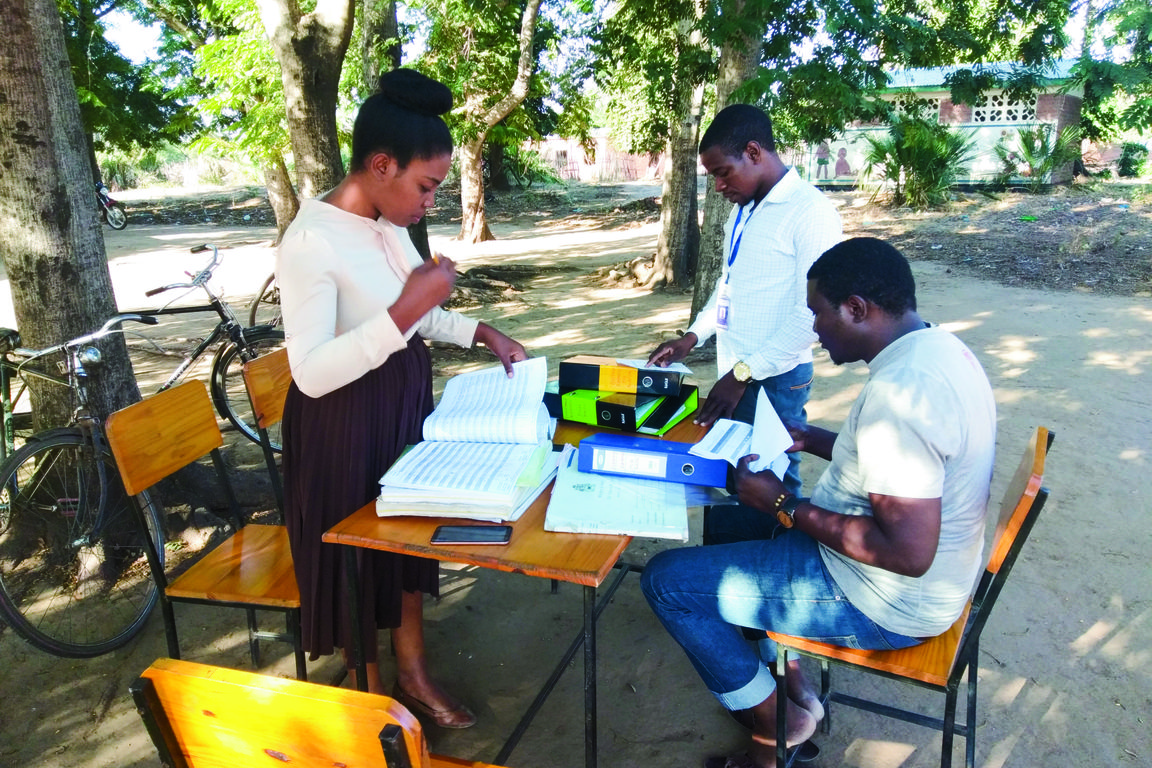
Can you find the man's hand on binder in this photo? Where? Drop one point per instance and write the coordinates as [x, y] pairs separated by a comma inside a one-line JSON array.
[[722, 400], [508, 350], [673, 351]]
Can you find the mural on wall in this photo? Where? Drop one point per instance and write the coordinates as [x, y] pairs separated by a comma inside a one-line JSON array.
[[834, 161]]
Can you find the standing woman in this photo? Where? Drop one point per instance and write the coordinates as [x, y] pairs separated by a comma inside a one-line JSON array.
[[358, 303]]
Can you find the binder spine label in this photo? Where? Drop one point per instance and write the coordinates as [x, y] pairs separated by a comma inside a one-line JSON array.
[[627, 463], [614, 378]]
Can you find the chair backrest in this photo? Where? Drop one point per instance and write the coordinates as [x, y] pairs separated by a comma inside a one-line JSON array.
[[267, 379], [1023, 500], [168, 431], [1019, 499], [202, 715]]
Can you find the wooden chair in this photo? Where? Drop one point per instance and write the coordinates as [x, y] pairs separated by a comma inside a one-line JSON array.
[[941, 662], [201, 715], [252, 568], [267, 379]]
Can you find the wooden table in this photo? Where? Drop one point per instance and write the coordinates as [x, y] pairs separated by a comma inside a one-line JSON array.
[[584, 559]]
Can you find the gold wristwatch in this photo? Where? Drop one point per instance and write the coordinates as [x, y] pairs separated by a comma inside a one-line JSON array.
[[786, 512], [742, 372]]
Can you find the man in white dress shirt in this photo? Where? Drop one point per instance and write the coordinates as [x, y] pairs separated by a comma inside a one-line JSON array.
[[779, 226]]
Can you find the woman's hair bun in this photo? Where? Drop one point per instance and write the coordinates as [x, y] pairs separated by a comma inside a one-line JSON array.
[[416, 92]]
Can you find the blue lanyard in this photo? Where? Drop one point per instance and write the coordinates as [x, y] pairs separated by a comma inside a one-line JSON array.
[[737, 236]]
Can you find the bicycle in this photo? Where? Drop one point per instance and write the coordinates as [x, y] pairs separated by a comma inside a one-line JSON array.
[[74, 574], [237, 345], [265, 308]]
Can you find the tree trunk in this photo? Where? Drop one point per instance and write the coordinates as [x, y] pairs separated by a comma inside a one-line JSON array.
[[474, 225], [281, 195], [497, 170], [679, 220], [310, 48], [52, 245], [380, 46], [738, 61]]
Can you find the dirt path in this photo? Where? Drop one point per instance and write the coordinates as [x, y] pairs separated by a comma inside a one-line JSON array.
[[1064, 671]]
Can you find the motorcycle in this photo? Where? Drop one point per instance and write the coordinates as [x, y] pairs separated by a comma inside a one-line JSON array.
[[111, 212]]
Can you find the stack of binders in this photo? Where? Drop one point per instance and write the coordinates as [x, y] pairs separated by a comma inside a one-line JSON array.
[[602, 392]]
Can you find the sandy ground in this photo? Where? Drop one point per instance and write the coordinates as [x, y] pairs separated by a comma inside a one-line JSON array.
[[1064, 669]]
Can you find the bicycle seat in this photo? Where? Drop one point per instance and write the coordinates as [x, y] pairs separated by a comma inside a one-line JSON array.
[[9, 340]]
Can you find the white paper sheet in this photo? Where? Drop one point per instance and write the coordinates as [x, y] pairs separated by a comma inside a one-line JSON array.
[[643, 365], [732, 440], [585, 502]]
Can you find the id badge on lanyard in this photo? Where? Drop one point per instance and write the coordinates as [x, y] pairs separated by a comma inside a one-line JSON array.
[[723, 300]]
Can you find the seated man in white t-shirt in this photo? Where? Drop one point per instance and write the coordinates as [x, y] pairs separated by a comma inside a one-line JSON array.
[[889, 546]]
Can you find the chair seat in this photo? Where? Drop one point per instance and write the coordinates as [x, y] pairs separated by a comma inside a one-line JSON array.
[[252, 566], [930, 662]]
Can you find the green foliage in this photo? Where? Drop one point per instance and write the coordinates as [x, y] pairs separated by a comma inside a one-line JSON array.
[[918, 160], [526, 167], [243, 97], [1035, 154], [1133, 157], [122, 105], [1118, 86], [650, 61]]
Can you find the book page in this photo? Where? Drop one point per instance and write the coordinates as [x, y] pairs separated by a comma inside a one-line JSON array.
[[466, 471], [487, 406]]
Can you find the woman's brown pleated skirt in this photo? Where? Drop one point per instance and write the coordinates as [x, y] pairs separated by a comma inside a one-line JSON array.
[[336, 447]]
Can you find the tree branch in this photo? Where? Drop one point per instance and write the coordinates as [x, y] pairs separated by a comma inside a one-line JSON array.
[[524, 68]]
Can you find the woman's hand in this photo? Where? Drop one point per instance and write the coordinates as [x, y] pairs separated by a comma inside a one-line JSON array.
[[508, 350], [427, 286], [433, 280]]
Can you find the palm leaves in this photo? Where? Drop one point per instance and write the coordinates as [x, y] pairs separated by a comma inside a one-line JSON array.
[[918, 160]]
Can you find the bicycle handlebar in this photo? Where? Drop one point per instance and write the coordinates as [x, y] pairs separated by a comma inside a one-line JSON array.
[[202, 277], [105, 329]]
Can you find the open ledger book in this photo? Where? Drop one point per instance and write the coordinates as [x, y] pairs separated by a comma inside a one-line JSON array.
[[487, 450]]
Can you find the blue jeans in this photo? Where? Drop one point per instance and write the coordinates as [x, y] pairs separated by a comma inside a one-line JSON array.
[[704, 595], [788, 394]]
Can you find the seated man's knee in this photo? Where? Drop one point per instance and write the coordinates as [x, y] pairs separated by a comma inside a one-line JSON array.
[[656, 572]]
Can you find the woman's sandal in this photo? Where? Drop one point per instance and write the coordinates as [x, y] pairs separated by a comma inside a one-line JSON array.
[[456, 717]]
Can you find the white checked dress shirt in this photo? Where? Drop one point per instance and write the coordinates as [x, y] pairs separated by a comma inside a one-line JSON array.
[[769, 324]]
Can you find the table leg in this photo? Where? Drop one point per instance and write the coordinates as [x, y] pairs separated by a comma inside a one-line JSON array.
[[587, 636], [590, 677], [353, 577]]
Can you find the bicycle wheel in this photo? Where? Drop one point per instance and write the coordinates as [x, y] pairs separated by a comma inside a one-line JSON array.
[[265, 308], [228, 391], [74, 578]]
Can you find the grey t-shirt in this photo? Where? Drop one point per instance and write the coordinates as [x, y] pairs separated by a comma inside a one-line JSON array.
[[923, 427]]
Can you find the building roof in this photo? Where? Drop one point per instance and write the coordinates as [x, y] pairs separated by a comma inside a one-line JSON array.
[[932, 78]]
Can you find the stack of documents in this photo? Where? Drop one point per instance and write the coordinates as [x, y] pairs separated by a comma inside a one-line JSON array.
[[487, 450], [587, 503]]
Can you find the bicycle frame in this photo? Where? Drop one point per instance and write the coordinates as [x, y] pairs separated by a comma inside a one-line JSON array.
[[229, 327], [75, 377]]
